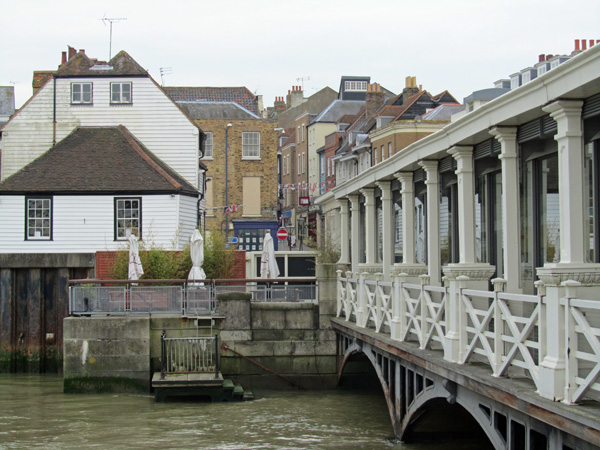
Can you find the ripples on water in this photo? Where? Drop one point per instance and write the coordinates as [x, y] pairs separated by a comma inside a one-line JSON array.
[[35, 414]]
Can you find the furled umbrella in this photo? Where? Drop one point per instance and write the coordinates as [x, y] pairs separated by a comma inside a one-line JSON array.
[[197, 255], [135, 263], [268, 263]]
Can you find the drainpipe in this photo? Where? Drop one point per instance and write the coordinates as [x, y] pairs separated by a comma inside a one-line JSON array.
[[54, 114], [229, 125]]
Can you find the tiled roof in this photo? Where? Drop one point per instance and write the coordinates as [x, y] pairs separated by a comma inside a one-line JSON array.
[[240, 95], [339, 108], [41, 77], [7, 100], [443, 112], [97, 160], [347, 118], [216, 110], [390, 110], [81, 66]]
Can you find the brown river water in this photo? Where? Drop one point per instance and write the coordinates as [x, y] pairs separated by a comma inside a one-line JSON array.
[[35, 414]]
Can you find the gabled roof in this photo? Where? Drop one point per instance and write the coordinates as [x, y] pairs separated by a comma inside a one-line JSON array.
[[97, 160], [240, 95], [443, 112], [81, 66], [445, 97], [216, 110], [338, 109]]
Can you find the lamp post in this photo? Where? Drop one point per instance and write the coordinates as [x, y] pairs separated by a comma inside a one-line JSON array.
[[226, 185]]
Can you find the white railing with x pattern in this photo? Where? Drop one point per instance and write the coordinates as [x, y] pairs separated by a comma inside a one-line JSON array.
[[506, 331], [582, 339]]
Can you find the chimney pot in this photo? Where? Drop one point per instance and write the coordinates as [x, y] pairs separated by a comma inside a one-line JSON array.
[[591, 42], [541, 58], [82, 50], [583, 44], [576, 45], [548, 57], [64, 57]]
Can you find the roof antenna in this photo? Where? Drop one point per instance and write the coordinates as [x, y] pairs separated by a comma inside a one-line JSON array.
[[111, 20], [165, 71], [301, 80]]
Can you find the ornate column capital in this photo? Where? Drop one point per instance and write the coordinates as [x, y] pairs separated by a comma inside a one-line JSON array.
[[431, 169], [386, 189], [463, 154], [344, 205], [369, 195], [406, 180]]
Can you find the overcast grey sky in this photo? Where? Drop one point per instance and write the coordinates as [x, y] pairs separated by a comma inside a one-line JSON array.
[[271, 45]]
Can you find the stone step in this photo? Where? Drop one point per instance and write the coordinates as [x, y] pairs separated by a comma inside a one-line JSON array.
[[238, 391], [248, 395], [228, 385]]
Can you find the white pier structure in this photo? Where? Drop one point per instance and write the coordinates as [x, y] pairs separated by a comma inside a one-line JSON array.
[[482, 241]]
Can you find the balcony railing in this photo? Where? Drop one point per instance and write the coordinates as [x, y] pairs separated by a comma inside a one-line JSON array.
[[168, 297], [508, 332]]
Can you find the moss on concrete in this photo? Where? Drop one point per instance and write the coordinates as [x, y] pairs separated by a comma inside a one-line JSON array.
[[23, 361], [104, 385]]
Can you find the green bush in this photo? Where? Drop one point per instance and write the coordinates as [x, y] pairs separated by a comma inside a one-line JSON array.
[[327, 251], [158, 264], [218, 260]]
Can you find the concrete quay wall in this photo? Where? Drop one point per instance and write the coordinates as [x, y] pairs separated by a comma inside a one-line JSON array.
[[274, 345]]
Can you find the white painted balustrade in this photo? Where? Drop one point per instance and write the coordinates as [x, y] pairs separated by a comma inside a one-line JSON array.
[[505, 331]]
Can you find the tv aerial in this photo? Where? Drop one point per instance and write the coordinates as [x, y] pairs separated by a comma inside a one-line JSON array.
[[165, 71], [111, 20]]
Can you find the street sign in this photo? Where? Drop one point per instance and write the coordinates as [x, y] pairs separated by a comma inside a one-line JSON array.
[[233, 240], [282, 234]]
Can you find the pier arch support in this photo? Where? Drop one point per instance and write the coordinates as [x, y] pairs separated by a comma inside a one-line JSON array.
[[412, 393]]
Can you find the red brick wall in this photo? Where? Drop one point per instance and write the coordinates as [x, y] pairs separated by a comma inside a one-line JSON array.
[[104, 264], [239, 266], [106, 259]]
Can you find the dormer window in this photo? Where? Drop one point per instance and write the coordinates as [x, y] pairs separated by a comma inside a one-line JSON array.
[[120, 93], [81, 93], [360, 86]]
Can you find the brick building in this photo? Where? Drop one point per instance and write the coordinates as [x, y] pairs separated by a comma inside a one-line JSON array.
[[241, 158]]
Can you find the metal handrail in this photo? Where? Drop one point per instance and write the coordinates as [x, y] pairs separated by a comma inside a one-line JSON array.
[[188, 355]]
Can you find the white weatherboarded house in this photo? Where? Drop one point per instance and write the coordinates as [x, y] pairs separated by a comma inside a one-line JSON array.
[[90, 192], [88, 93]]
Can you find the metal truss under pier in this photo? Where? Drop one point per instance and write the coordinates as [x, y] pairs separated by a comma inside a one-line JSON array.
[[508, 410]]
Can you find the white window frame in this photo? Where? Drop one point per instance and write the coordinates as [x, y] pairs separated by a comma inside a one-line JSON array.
[[208, 145], [38, 212], [250, 150], [355, 86], [118, 95], [389, 149], [127, 220], [78, 94]]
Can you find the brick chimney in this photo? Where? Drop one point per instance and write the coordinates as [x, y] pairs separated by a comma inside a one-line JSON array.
[[279, 104], [410, 88], [72, 52], [295, 97], [374, 99]]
